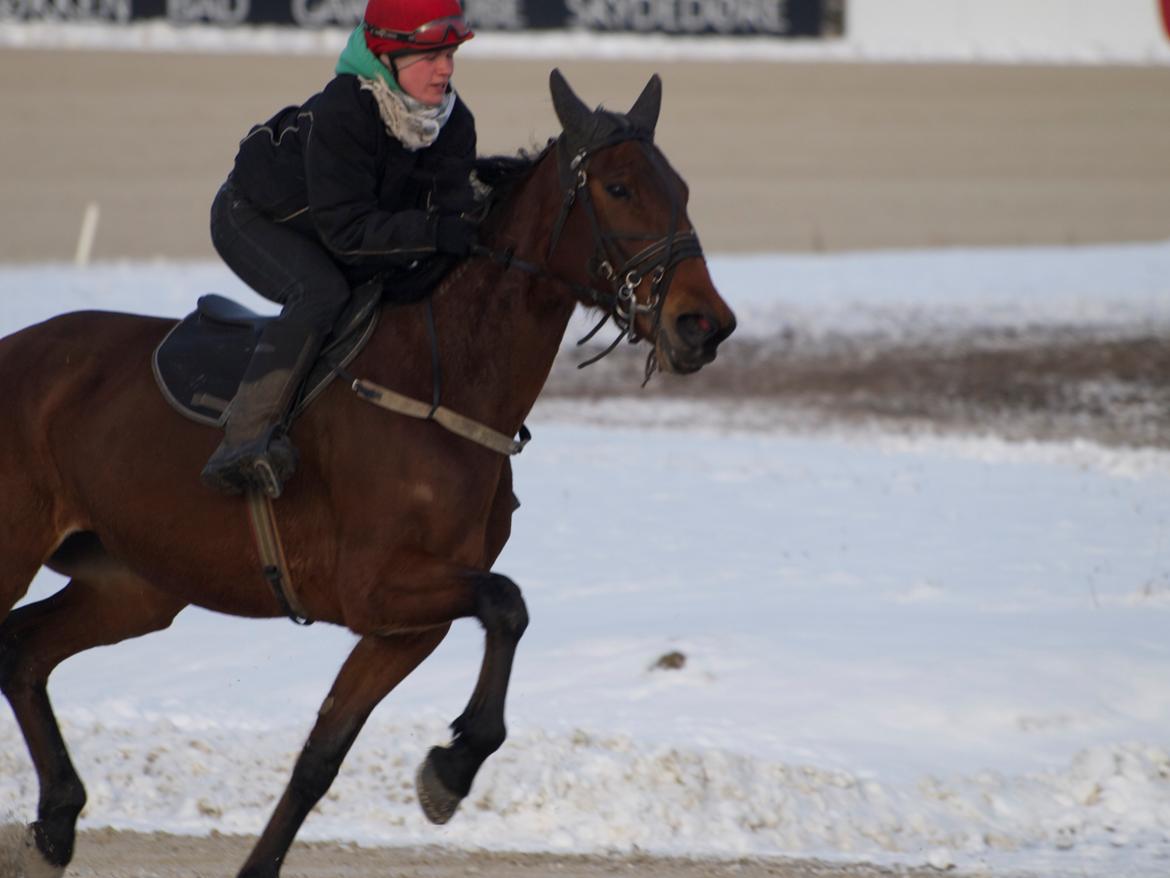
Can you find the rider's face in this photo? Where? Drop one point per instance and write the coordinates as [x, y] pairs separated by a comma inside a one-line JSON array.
[[424, 75]]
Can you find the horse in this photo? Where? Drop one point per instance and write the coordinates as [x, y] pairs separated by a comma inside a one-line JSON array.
[[392, 525]]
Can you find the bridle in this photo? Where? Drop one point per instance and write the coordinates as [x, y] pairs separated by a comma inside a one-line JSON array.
[[619, 276]]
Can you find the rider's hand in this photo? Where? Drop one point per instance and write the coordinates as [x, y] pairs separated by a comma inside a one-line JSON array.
[[454, 235]]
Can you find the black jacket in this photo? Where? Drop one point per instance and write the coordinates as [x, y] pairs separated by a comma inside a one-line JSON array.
[[331, 170]]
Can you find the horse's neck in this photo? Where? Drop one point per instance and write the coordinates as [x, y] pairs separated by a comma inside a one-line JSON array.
[[500, 330]]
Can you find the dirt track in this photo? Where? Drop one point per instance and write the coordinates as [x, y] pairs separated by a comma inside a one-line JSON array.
[[109, 854], [1054, 384]]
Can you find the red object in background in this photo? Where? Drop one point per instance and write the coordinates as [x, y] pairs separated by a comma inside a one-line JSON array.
[[1166, 17]]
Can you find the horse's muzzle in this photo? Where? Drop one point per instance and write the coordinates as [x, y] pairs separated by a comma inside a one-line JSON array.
[[692, 341]]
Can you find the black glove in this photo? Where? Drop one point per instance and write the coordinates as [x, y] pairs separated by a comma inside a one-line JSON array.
[[454, 235]]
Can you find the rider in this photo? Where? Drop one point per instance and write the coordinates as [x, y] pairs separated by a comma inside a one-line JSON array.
[[369, 174]]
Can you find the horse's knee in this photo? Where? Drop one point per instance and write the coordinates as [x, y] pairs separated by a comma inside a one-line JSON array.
[[500, 606]]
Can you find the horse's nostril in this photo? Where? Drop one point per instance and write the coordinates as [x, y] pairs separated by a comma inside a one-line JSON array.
[[696, 329]]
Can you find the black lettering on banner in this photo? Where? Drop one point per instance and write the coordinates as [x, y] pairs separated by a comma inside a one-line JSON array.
[[120, 11], [322, 13], [681, 16], [496, 14], [214, 11], [717, 17]]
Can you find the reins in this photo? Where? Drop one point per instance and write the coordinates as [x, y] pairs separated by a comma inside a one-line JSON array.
[[657, 261]]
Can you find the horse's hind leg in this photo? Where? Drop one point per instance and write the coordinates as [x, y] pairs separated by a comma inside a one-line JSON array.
[[376, 665], [26, 536], [16, 575], [96, 611]]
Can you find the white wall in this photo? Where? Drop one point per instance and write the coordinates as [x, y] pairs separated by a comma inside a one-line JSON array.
[[1026, 30]]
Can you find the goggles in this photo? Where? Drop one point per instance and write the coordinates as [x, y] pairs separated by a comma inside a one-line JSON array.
[[433, 33]]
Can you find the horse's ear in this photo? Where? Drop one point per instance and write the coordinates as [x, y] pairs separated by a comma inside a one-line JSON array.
[[571, 110], [644, 113]]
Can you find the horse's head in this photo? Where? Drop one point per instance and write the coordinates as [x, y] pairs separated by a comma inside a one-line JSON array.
[[624, 203]]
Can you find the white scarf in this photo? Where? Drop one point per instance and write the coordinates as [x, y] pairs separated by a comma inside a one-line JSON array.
[[414, 124]]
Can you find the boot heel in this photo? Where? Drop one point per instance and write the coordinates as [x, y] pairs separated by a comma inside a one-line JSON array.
[[256, 452]]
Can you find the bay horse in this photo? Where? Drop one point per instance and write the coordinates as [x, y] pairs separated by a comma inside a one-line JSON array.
[[392, 524]]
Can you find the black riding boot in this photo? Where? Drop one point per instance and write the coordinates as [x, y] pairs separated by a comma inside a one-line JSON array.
[[256, 451]]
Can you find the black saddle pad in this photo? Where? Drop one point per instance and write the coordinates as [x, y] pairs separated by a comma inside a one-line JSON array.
[[200, 363]]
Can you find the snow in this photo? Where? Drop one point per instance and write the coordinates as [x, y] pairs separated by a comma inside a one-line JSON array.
[[943, 290], [898, 648], [892, 292]]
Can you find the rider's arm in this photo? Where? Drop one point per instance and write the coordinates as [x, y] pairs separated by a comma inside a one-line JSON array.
[[343, 157]]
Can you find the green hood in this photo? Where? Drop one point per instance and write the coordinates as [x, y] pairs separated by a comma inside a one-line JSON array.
[[356, 58]]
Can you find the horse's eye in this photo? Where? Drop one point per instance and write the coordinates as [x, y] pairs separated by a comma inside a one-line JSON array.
[[617, 190]]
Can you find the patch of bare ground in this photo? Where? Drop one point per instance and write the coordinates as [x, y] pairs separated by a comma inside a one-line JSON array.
[[1045, 384]]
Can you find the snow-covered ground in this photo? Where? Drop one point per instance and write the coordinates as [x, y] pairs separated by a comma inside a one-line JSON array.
[[897, 649]]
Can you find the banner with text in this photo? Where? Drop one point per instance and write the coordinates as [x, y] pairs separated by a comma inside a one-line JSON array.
[[780, 18]]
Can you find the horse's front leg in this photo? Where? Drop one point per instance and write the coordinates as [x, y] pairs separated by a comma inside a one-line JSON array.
[[424, 590], [402, 620], [375, 666], [445, 776]]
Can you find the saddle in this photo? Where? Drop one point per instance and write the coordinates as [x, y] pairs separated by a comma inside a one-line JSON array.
[[201, 362]]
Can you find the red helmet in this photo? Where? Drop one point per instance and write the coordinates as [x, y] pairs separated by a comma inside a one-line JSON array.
[[395, 27]]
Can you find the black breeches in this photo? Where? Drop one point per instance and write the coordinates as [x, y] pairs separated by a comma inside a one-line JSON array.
[[279, 263]]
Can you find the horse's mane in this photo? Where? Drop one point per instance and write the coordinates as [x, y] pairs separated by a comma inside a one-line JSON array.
[[498, 176]]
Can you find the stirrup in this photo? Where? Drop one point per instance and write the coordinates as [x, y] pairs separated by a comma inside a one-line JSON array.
[[263, 464], [275, 465], [265, 477]]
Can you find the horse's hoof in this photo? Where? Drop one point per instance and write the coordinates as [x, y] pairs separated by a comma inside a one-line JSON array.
[[20, 857], [12, 836], [438, 802]]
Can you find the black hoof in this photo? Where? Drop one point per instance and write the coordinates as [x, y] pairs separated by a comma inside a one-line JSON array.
[[438, 801], [20, 855]]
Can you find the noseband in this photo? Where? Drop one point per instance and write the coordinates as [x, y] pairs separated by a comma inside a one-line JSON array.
[[620, 275]]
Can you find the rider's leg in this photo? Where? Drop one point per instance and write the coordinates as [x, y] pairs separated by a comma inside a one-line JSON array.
[[295, 270], [256, 451]]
